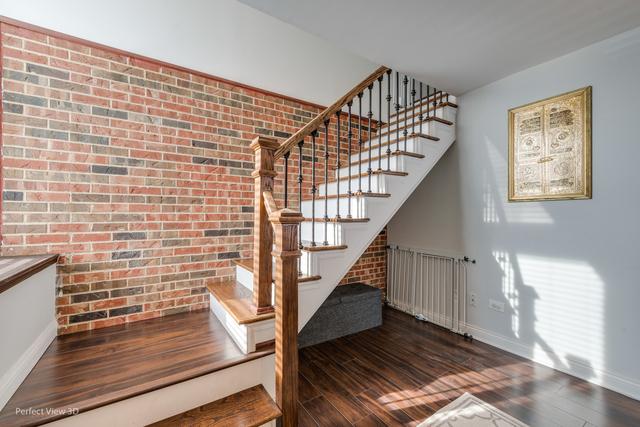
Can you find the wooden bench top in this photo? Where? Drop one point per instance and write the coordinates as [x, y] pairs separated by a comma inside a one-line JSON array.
[[15, 269]]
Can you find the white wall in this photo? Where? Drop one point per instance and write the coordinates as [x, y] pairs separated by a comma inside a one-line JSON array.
[[568, 271], [27, 327], [221, 37]]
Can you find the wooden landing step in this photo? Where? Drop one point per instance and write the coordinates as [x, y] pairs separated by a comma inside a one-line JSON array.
[[247, 264], [237, 301], [87, 370], [247, 408]]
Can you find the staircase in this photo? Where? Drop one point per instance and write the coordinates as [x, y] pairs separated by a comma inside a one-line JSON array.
[[341, 179], [321, 198]]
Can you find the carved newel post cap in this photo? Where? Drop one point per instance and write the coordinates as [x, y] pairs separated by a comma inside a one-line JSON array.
[[264, 142]]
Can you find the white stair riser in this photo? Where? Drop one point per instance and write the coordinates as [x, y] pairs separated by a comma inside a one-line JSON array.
[[358, 207], [413, 145], [395, 163], [447, 113], [245, 277], [334, 236], [377, 185]]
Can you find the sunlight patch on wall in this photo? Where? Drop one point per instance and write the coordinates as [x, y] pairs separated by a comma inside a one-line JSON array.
[[495, 191], [509, 289], [566, 312]]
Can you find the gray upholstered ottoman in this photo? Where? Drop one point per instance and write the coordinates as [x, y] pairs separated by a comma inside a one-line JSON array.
[[349, 309]]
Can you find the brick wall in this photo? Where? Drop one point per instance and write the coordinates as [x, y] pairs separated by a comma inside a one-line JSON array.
[[371, 268], [137, 173]]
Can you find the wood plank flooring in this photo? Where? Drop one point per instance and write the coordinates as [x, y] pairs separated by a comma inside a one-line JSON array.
[[405, 370], [248, 408], [86, 370]]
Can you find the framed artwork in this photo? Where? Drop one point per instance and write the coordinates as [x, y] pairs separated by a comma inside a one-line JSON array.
[[550, 148]]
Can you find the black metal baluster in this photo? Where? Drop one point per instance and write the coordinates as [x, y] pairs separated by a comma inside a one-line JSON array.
[[349, 136], [300, 144], [388, 119], [397, 111], [435, 95], [427, 113], [326, 181], [314, 188], [405, 81], [447, 97], [286, 179], [413, 106], [338, 164], [370, 115], [420, 116], [360, 142], [300, 179], [379, 126]]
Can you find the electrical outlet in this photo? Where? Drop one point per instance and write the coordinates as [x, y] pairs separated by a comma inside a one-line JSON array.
[[496, 305], [472, 300]]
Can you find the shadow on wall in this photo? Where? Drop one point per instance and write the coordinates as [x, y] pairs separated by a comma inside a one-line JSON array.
[[556, 304]]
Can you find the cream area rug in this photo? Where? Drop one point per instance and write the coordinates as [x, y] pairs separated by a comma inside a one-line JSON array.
[[469, 411]]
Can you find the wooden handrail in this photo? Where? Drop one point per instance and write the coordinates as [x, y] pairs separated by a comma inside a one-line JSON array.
[[327, 113], [269, 202]]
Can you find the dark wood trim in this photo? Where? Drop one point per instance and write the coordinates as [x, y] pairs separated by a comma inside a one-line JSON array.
[[323, 248], [89, 43], [251, 407], [24, 271]]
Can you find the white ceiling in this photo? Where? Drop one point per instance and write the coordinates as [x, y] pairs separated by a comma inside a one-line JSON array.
[[458, 45]]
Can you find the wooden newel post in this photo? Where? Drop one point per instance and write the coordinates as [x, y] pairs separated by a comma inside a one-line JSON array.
[[286, 252], [263, 174]]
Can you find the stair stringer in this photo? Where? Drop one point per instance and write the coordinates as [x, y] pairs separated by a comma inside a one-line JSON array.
[[331, 265]]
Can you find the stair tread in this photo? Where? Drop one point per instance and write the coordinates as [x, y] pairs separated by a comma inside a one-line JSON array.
[[247, 408], [321, 248], [237, 301], [416, 110], [375, 172], [344, 220], [247, 264], [355, 194], [394, 153]]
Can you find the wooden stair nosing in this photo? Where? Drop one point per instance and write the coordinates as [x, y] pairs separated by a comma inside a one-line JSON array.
[[374, 172], [251, 407], [356, 194], [338, 220], [322, 248], [416, 109], [393, 141], [237, 300], [394, 153], [247, 264], [409, 125]]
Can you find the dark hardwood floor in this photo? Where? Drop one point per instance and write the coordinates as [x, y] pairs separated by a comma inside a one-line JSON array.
[[90, 369], [404, 371]]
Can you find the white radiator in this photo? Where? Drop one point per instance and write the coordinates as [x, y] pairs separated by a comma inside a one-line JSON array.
[[430, 287]]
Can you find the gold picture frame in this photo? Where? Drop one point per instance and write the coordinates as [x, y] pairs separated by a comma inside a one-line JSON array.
[[550, 148]]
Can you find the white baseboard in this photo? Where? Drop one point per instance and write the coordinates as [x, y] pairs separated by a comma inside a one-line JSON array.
[[12, 379], [607, 379]]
